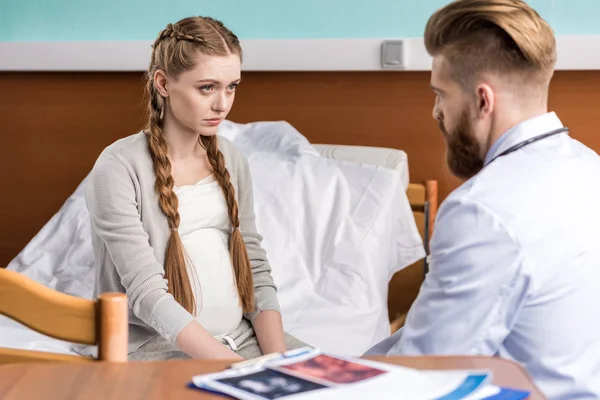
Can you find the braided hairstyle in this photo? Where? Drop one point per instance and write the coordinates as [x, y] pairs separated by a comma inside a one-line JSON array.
[[174, 52]]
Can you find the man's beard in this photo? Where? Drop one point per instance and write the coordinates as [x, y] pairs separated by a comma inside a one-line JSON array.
[[463, 153]]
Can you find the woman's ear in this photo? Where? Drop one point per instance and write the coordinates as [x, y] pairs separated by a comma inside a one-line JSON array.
[[160, 82]]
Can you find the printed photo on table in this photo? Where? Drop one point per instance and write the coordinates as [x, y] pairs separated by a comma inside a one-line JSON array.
[[334, 370], [270, 384]]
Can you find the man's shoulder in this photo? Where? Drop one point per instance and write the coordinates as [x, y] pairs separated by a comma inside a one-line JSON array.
[[473, 193], [475, 206], [492, 191]]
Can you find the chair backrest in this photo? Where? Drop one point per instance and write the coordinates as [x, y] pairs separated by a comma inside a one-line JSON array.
[[103, 322], [405, 284], [423, 199]]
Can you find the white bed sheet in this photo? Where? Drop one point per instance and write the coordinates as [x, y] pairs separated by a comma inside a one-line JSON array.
[[334, 232], [17, 336]]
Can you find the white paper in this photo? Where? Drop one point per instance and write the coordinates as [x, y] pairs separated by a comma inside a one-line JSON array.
[[315, 375]]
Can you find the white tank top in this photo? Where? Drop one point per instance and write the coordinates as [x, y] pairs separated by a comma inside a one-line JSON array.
[[204, 230]]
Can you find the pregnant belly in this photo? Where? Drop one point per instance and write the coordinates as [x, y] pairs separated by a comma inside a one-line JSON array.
[[218, 307]]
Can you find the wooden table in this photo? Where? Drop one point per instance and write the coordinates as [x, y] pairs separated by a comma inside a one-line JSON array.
[[169, 379]]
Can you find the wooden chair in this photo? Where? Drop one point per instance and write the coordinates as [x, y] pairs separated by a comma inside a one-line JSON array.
[[103, 322], [405, 285], [423, 199]]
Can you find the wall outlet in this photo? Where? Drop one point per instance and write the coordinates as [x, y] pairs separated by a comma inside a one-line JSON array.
[[392, 54]]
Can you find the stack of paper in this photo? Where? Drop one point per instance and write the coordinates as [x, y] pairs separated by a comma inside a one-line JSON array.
[[312, 374]]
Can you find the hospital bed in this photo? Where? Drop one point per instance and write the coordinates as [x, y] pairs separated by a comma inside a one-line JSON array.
[[356, 232]]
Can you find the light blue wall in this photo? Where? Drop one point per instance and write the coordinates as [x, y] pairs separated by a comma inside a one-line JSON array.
[[82, 20]]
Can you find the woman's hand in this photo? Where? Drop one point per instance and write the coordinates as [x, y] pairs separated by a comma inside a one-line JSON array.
[[197, 343]]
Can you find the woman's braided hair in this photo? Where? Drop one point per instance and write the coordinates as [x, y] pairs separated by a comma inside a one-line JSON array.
[[174, 52]]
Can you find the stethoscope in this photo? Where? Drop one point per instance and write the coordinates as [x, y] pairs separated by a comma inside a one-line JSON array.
[[529, 141]]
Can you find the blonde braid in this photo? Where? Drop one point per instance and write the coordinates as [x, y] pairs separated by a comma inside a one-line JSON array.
[[237, 247], [175, 266], [174, 31]]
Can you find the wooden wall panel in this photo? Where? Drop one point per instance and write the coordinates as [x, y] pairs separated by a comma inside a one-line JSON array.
[[54, 125]]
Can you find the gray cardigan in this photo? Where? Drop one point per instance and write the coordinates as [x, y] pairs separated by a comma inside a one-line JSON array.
[[130, 233]]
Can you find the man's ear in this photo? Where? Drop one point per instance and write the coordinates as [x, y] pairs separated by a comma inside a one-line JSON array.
[[160, 82], [486, 100]]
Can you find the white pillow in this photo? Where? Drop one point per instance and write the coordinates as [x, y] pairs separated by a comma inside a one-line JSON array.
[[277, 137]]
